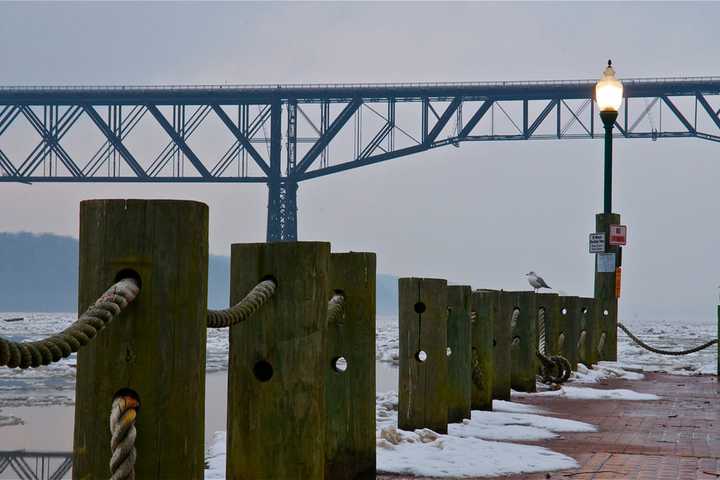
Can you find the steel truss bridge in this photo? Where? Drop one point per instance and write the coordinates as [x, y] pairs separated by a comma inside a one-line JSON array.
[[28, 465], [281, 135]]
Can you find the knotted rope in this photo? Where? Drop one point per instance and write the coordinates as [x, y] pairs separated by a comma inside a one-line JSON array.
[[123, 434], [514, 318], [241, 311], [550, 365], [666, 352], [336, 308], [80, 333]]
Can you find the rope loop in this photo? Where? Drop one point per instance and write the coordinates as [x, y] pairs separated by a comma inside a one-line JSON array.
[[245, 308], [80, 333], [666, 352], [123, 434]]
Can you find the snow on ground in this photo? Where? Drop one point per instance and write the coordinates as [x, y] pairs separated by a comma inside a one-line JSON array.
[[587, 393], [466, 451], [603, 371]]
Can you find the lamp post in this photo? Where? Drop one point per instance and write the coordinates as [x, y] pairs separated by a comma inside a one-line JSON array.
[[608, 94]]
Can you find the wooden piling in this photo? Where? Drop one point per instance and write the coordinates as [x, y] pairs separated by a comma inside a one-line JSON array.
[[502, 339], [568, 330], [607, 309], [155, 349], [605, 282], [423, 354], [276, 373], [484, 306], [587, 342], [459, 353], [523, 339], [350, 370]]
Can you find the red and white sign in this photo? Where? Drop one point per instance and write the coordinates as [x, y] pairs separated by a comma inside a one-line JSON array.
[[618, 235]]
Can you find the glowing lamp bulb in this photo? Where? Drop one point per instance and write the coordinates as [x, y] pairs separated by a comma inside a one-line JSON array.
[[609, 90]]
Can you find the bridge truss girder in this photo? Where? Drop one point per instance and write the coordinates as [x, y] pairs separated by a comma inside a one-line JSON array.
[[282, 136]]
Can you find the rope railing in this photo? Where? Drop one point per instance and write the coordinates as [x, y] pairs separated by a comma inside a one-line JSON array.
[[245, 308], [336, 308], [665, 352], [554, 369], [123, 433], [514, 318], [561, 341], [80, 333]]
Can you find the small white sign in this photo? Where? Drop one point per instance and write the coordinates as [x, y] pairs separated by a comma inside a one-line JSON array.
[[618, 235], [605, 262], [597, 242]]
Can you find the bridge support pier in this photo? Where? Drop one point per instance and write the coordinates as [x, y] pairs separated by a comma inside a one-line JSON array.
[[282, 210]]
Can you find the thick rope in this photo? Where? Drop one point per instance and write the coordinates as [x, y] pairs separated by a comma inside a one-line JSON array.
[[581, 339], [601, 343], [80, 333], [336, 308], [555, 369], [561, 341], [123, 434], [251, 303], [665, 352], [541, 330], [514, 318]]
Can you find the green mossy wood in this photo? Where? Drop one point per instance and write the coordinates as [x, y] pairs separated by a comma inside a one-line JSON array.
[[607, 322], [484, 304], [276, 375], [459, 359], [502, 339], [569, 323], [350, 394], [156, 347], [423, 328], [605, 284], [524, 339]]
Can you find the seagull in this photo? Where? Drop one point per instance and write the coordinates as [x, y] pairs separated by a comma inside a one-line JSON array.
[[536, 281]]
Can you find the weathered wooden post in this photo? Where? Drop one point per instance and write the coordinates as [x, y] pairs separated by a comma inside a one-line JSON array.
[[484, 308], [521, 308], [606, 280], [587, 332], [568, 330], [502, 340], [548, 330], [276, 372], [423, 354], [155, 350], [607, 342], [718, 355], [459, 352], [350, 370]]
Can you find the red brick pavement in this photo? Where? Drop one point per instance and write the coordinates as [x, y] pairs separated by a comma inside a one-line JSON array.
[[675, 438]]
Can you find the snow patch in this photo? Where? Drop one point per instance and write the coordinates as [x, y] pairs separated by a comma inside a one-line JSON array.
[[587, 393]]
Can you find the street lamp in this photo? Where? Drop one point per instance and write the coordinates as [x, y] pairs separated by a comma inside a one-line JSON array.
[[608, 95]]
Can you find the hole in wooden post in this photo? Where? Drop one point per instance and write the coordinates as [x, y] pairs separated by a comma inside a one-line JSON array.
[[269, 277], [419, 307], [129, 273], [494, 342], [584, 310], [421, 356], [564, 311], [128, 392], [606, 313], [263, 371], [340, 364], [449, 351]]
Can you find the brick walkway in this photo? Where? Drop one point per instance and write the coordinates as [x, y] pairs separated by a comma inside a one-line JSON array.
[[675, 438]]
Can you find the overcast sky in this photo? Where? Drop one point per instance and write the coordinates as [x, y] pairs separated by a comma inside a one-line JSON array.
[[483, 214]]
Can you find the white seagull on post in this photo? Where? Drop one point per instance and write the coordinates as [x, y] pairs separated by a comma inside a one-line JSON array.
[[536, 281]]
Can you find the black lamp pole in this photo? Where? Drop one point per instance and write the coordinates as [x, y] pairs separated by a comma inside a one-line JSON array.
[[608, 118]]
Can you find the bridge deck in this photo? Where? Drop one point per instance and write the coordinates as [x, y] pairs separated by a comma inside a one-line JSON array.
[[673, 438]]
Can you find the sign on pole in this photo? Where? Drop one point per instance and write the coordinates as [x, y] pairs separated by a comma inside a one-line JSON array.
[[606, 262], [618, 234], [597, 242]]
